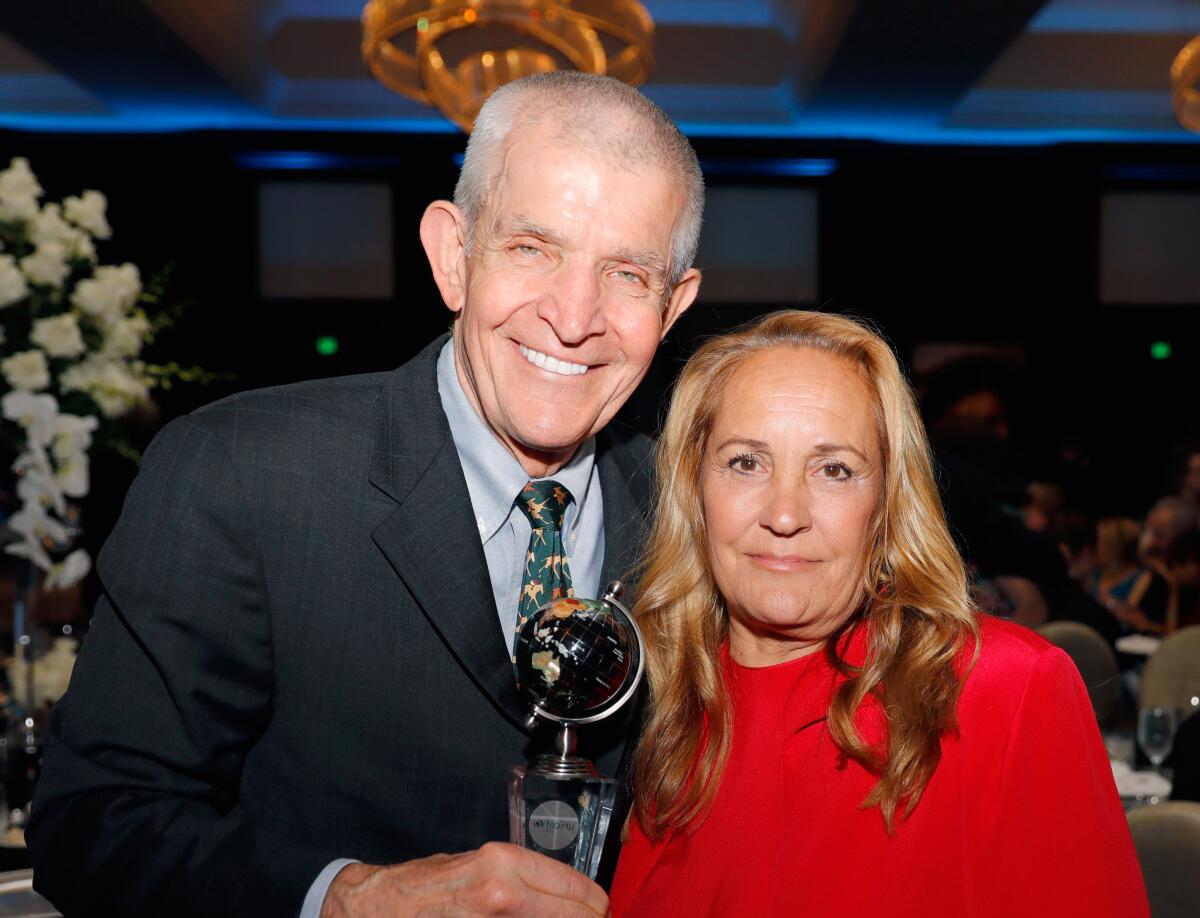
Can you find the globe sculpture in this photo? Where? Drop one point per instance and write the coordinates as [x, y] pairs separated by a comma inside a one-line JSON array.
[[578, 660]]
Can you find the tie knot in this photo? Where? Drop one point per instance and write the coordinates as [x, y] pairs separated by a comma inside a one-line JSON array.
[[544, 502]]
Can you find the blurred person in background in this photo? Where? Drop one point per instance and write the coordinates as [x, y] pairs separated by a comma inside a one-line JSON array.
[[1117, 569], [1043, 506], [1146, 608], [1169, 517], [1189, 487], [1017, 572], [1075, 534], [1183, 572]]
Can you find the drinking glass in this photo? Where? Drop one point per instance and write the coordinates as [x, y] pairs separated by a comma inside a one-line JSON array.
[[1156, 733]]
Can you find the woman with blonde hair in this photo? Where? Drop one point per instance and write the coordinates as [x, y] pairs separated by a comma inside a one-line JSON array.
[[832, 727]]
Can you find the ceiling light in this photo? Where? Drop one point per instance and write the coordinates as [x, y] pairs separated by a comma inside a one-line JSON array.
[[453, 54]]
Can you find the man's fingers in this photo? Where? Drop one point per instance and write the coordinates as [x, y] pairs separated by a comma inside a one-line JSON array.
[[496, 880], [550, 878]]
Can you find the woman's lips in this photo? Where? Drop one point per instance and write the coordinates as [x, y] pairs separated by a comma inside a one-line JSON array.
[[783, 563]]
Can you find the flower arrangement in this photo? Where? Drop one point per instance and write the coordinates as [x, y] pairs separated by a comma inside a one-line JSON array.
[[71, 332]]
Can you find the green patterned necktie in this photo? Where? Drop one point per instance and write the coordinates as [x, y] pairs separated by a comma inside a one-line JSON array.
[[546, 574]]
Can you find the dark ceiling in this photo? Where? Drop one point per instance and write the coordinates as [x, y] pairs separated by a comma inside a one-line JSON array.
[[940, 71]]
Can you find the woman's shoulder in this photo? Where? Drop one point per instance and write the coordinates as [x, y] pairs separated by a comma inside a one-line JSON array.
[[1004, 637], [1010, 656]]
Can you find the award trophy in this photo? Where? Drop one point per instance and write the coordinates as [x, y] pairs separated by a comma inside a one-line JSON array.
[[578, 661]]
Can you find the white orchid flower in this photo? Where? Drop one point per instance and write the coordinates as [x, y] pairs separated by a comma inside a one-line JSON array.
[[99, 297], [17, 208], [88, 212], [33, 550], [19, 179], [58, 336], [72, 475], [35, 458], [82, 246], [26, 370], [19, 192], [38, 414], [13, 286], [72, 434], [69, 571], [41, 487], [47, 265], [32, 520], [49, 226], [37, 529], [125, 280], [116, 386], [126, 337]]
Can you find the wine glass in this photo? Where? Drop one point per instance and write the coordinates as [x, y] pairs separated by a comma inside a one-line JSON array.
[[1156, 733]]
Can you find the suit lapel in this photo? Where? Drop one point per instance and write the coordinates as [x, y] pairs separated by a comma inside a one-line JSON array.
[[624, 483], [431, 539]]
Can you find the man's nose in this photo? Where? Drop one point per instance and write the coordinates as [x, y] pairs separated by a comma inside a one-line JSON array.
[[786, 510], [572, 306]]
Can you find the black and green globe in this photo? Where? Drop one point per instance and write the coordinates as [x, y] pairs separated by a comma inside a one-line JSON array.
[[577, 657]]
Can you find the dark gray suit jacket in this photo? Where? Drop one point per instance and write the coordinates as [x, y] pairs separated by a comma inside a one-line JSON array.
[[296, 658]]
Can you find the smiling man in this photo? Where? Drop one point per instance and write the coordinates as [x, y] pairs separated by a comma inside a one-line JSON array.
[[297, 693]]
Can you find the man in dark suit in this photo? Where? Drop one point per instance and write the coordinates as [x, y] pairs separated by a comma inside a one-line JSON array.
[[297, 691]]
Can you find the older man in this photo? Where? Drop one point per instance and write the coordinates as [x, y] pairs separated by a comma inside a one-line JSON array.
[[301, 659]]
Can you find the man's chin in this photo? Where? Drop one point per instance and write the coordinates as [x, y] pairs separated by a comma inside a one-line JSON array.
[[551, 442]]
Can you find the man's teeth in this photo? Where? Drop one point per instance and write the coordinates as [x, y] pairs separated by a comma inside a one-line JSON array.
[[553, 364]]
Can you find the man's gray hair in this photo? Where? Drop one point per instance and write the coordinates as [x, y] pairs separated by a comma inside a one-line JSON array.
[[1183, 512], [590, 112]]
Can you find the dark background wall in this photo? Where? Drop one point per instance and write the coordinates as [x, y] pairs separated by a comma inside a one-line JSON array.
[[935, 244]]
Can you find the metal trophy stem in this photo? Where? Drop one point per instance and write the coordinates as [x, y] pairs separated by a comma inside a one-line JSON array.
[[564, 763]]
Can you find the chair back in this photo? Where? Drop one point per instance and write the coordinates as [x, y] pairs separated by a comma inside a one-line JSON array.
[[1167, 839], [1095, 660], [1172, 676], [18, 898]]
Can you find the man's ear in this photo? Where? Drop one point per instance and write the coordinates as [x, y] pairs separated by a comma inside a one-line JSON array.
[[682, 295], [443, 234]]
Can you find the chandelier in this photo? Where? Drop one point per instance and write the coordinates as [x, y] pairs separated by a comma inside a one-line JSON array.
[[453, 54], [1185, 82]]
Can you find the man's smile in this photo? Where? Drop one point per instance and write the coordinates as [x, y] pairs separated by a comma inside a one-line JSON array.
[[553, 364]]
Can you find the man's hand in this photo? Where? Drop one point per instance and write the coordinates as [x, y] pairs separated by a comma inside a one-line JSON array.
[[497, 879]]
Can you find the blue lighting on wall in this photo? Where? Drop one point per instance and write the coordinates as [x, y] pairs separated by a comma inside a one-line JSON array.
[[306, 160], [1153, 172], [783, 168]]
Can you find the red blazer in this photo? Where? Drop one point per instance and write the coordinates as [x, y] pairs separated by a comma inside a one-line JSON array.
[[1021, 817]]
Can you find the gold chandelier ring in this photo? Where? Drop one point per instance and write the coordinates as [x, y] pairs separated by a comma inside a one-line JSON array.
[[460, 91], [1185, 80], [572, 29]]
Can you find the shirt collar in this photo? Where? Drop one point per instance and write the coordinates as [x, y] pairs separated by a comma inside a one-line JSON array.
[[494, 476]]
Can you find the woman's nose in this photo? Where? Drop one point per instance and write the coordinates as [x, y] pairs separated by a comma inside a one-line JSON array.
[[786, 510]]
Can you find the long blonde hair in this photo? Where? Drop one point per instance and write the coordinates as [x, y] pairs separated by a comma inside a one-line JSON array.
[[913, 596]]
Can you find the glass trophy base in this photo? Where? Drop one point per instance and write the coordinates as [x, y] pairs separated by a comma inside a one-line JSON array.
[[561, 808]]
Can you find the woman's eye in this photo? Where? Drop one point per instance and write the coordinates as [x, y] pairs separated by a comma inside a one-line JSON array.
[[836, 471], [743, 463]]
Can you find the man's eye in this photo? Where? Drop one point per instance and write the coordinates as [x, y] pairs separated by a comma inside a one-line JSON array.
[[629, 277], [529, 250]]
